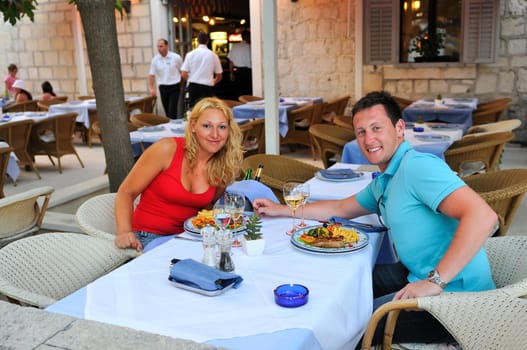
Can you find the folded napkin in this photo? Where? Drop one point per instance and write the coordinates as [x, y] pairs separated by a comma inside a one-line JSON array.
[[151, 128], [358, 225], [197, 275], [252, 189], [343, 173]]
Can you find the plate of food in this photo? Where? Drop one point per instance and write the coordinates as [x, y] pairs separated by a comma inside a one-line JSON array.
[[339, 175], [329, 239], [205, 217]]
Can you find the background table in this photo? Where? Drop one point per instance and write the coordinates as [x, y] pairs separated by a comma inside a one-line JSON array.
[[79, 107], [256, 110], [352, 154]]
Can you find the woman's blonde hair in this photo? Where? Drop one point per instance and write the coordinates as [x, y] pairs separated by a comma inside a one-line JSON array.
[[224, 166]]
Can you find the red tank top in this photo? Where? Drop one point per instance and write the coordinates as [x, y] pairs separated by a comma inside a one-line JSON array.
[[166, 204]]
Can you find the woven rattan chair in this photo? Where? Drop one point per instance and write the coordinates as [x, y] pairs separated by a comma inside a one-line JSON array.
[[501, 126], [479, 320], [280, 169], [135, 107], [5, 154], [21, 214], [42, 269], [249, 98], [330, 140], [300, 135], [463, 155], [86, 97], [148, 119], [232, 103], [402, 102], [503, 190], [26, 106], [17, 134], [496, 102], [53, 137], [43, 105], [253, 140], [336, 106], [489, 114], [149, 104]]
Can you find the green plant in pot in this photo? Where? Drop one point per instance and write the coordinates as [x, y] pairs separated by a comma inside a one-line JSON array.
[[252, 240]]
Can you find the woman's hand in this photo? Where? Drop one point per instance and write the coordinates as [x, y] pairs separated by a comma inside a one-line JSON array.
[[128, 240], [266, 207]]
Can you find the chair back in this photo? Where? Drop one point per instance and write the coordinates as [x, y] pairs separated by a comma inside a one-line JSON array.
[[280, 169], [232, 103], [503, 190], [485, 148], [21, 214], [42, 269], [26, 106], [508, 260], [149, 104], [402, 102], [17, 136], [53, 101], [330, 140], [5, 154], [491, 114], [502, 125], [253, 140], [86, 97], [148, 119], [249, 98], [296, 134], [502, 101], [134, 107], [337, 105]]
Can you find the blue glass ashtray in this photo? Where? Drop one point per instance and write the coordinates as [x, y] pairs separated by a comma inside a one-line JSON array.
[[291, 295], [418, 129]]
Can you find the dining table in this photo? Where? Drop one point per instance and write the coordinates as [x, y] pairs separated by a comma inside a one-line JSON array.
[[139, 294], [256, 110], [448, 110], [431, 137]]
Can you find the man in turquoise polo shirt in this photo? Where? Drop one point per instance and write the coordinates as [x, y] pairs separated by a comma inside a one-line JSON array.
[[437, 223]]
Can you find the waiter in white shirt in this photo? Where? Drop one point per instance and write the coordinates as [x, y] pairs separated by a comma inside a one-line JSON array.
[[165, 70], [202, 69], [240, 65]]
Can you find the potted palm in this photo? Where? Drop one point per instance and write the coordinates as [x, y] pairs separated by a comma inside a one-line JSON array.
[[252, 241]]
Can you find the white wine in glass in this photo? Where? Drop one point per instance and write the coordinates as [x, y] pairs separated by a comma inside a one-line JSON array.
[[305, 195], [293, 198], [235, 203]]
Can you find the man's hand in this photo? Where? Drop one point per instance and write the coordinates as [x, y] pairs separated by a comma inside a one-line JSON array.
[[422, 288], [266, 207]]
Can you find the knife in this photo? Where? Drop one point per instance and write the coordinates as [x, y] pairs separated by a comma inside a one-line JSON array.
[[188, 238]]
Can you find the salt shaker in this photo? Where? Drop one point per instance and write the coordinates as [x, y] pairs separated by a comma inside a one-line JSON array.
[[209, 245]]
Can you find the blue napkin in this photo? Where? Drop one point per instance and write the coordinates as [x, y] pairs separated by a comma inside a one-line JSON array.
[[252, 189], [339, 173], [198, 275]]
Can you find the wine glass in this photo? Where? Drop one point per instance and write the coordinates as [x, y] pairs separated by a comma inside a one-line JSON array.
[[293, 198], [304, 188], [222, 216], [235, 203]]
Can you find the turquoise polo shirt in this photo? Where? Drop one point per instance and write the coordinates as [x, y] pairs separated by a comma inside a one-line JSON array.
[[407, 196]]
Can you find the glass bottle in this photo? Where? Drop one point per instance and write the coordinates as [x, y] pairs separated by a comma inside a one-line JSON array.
[[209, 245]]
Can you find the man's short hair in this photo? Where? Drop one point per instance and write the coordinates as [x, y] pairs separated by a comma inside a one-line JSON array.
[[203, 38], [379, 98]]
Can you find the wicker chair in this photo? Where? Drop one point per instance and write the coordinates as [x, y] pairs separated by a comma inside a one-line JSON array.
[[336, 106], [280, 169], [232, 103], [26, 106], [253, 137], [402, 102], [503, 190], [463, 155], [53, 137], [135, 107], [16, 134], [249, 98], [480, 320], [489, 114], [85, 97], [330, 140], [148, 119], [21, 214], [300, 135], [5, 154], [149, 104], [43, 105], [40, 270], [502, 125], [496, 102]]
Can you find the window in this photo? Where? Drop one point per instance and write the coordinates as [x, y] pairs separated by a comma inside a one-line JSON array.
[[408, 31]]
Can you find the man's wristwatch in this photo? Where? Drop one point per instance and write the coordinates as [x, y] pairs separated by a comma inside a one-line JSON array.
[[433, 276]]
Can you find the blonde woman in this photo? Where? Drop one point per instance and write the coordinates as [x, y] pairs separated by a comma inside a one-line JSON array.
[[176, 177]]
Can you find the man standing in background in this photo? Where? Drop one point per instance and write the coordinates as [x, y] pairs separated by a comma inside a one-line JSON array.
[[202, 69], [165, 70], [240, 65]]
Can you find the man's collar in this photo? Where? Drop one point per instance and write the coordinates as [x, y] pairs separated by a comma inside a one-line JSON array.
[[397, 157]]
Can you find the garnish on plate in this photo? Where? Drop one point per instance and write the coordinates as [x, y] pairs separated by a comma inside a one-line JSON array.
[[205, 217], [330, 236]]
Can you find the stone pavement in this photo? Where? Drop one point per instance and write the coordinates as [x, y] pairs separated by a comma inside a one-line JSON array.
[[24, 328]]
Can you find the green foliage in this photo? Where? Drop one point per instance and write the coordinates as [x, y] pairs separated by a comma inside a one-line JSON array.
[[253, 228], [14, 10]]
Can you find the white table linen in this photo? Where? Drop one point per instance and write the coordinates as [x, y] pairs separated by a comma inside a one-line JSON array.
[[13, 171], [79, 107], [138, 294]]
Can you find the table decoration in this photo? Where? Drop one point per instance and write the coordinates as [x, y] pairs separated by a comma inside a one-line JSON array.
[[252, 241]]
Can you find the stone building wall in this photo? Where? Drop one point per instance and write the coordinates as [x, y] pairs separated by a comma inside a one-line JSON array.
[[507, 77], [45, 49]]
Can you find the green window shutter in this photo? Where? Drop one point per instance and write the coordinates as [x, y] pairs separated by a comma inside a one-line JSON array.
[[480, 28], [381, 31]]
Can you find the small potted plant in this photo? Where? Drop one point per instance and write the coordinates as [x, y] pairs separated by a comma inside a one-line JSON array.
[[253, 242]]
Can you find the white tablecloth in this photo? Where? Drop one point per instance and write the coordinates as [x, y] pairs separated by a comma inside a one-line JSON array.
[[138, 294], [13, 171], [79, 107]]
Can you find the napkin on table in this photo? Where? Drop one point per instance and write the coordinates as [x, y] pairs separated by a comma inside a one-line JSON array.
[[198, 275], [342, 173]]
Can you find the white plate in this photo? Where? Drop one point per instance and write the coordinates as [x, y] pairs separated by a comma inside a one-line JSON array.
[[196, 232], [320, 177], [432, 137], [297, 243]]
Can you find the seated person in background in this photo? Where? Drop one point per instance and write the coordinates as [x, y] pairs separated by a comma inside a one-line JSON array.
[[21, 94], [47, 89], [443, 251], [176, 177]]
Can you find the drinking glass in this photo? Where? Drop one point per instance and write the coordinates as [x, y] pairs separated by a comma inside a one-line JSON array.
[[293, 198], [222, 216], [235, 203], [304, 188]]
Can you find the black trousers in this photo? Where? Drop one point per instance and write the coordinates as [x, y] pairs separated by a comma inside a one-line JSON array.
[[170, 98], [197, 91], [243, 80]]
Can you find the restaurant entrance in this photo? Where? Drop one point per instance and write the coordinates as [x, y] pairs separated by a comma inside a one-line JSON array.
[[223, 20]]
